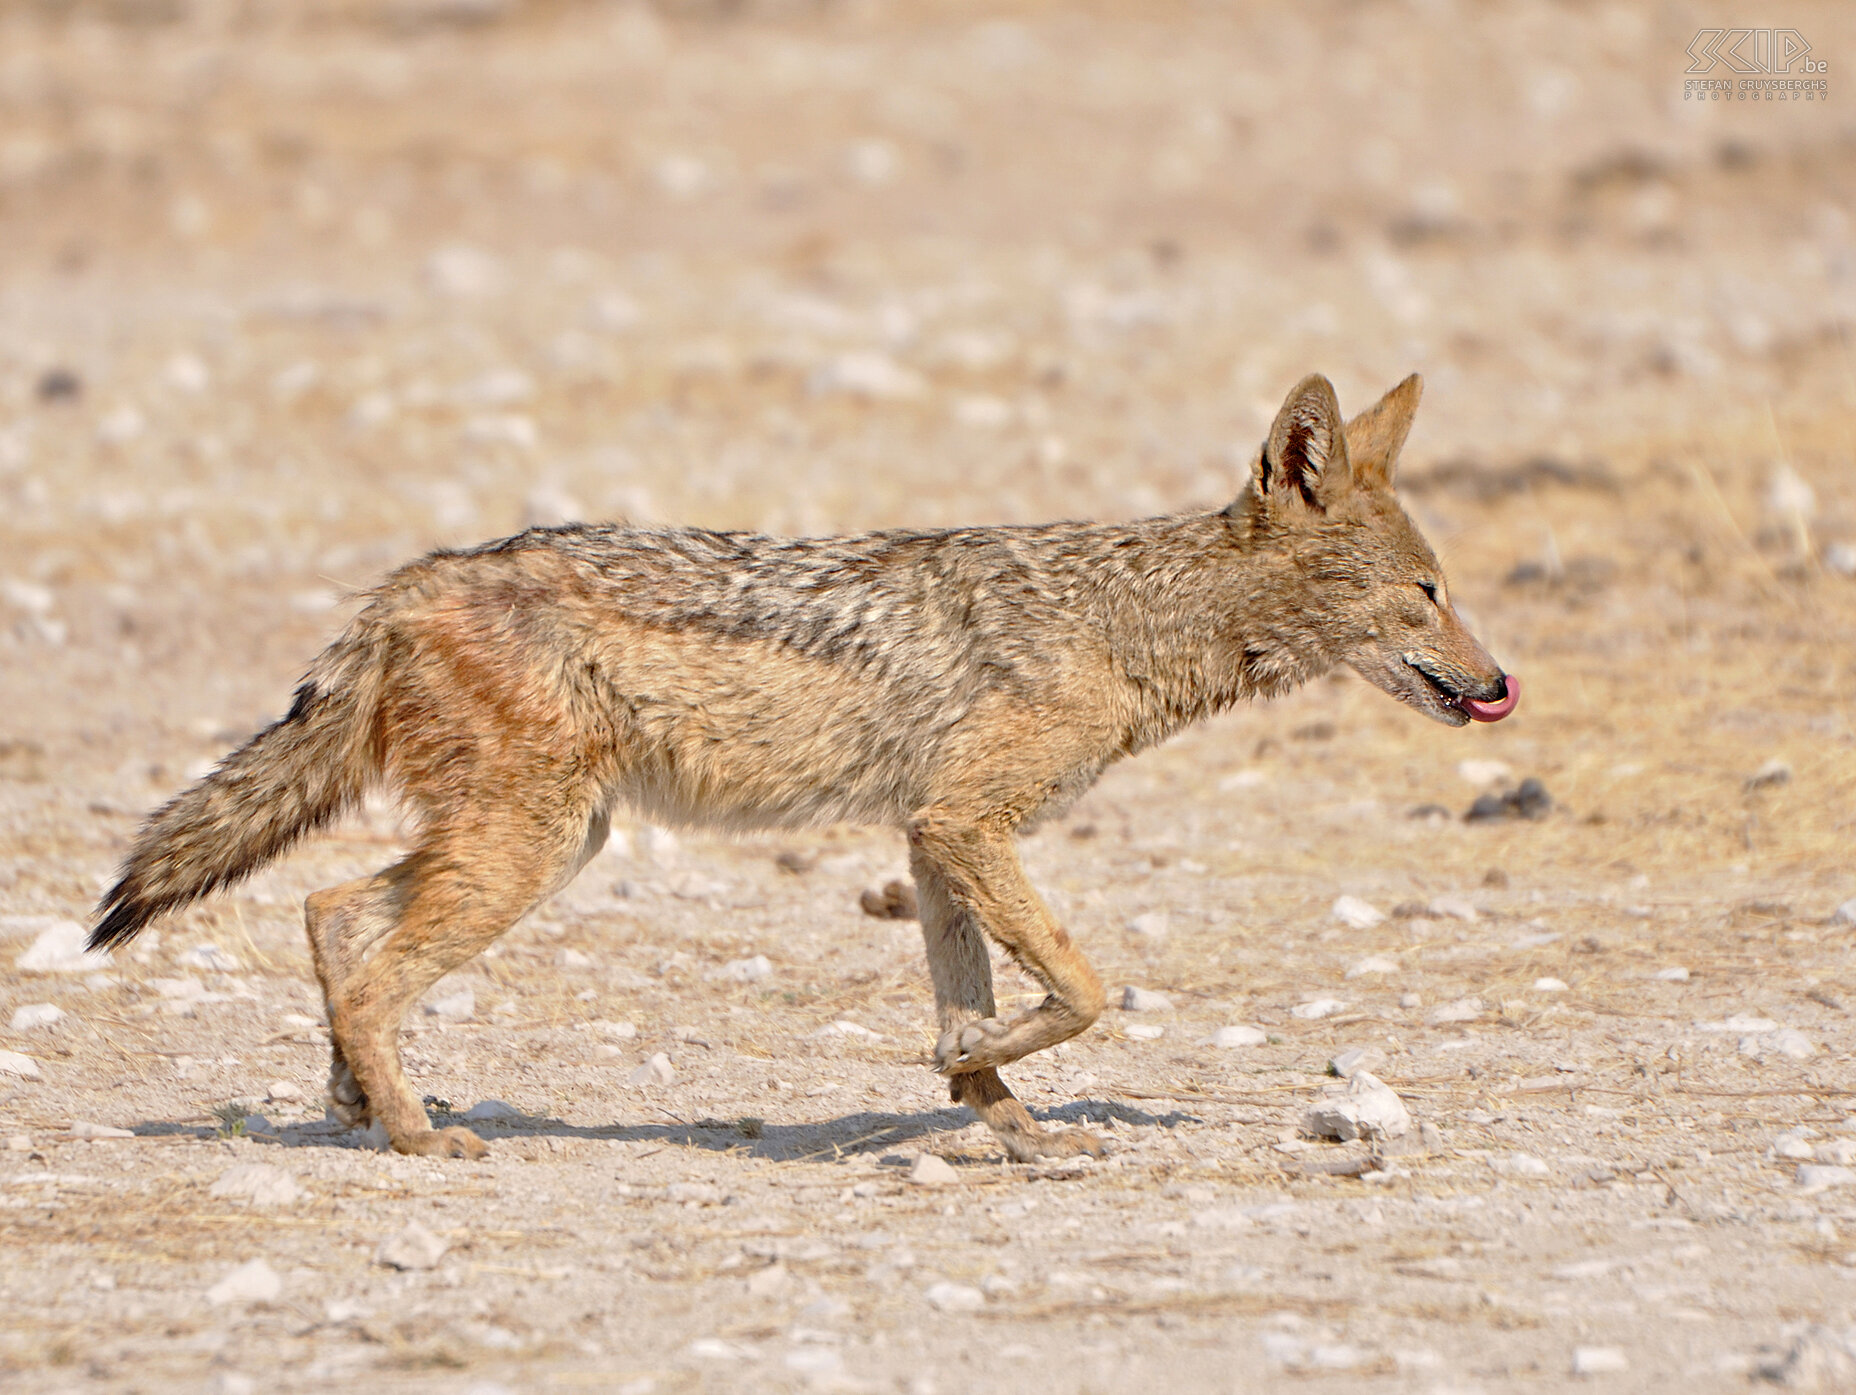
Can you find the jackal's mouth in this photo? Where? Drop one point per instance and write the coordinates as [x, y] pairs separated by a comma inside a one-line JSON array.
[[1469, 706]]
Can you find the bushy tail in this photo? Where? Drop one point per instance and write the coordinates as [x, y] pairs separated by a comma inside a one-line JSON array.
[[290, 779]]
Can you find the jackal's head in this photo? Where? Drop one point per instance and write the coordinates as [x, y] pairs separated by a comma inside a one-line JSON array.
[[1370, 590]]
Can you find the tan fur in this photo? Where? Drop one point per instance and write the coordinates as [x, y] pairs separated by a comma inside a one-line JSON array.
[[958, 684]]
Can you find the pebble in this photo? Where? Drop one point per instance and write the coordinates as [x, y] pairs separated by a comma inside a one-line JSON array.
[[19, 1143], [283, 1091], [24, 1067], [252, 1282], [1598, 1361], [1794, 1147], [1150, 925], [1462, 1010], [1529, 800], [59, 949], [618, 1031], [1840, 557], [1844, 914], [1453, 908], [1792, 1044], [768, 1282], [259, 1183], [1145, 1031], [1676, 974], [1346, 1064], [1818, 1177], [1740, 1022], [1814, 1358], [1839, 1152], [1521, 1165], [1373, 964], [35, 1015], [83, 1128], [656, 1070], [954, 1298], [931, 1170], [843, 1028], [1319, 1008], [1144, 1000], [491, 1109], [754, 970], [208, 956], [1351, 911], [415, 1247], [1484, 772], [1411, 1000], [572, 959], [868, 374], [1368, 1109], [1237, 1036], [460, 1006], [1773, 773], [1549, 985]]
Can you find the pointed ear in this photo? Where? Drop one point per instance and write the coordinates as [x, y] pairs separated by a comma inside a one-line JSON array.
[[1375, 437], [1304, 465]]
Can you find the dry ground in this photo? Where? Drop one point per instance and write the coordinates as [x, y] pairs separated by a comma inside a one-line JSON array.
[[289, 293]]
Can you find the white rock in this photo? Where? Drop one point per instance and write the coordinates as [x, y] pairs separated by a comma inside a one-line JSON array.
[[35, 1015], [1368, 1109], [1237, 1036], [618, 1031], [1844, 914], [460, 270], [1793, 1146], [1791, 1044], [1373, 964], [1319, 1008], [656, 1070], [1839, 1152], [208, 956], [1812, 1357], [59, 949], [84, 1128], [1454, 908], [1521, 1165], [931, 1170], [1411, 1000], [755, 970], [1484, 772], [414, 1247], [954, 1298], [572, 959], [1359, 915], [1150, 925], [1675, 974], [283, 1091], [866, 373], [459, 1006], [1740, 1022], [259, 1183], [767, 1282], [1349, 1063], [1549, 985], [1144, 1000], [1818, 1177], [252, 1282], [24, 1067], [1462, 1010], [843, 1028], [231, 1383], [1144, 1031], [1840, 557], [1598, 1361], [179, 990], [491, 1109]]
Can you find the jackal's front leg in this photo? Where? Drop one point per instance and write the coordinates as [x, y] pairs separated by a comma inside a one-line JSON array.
[[966, 880]]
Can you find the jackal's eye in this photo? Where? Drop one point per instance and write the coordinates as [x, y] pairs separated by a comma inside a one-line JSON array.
[[1430, 590]]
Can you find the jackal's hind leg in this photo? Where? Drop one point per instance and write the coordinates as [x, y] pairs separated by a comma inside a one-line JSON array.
[[962, 976], [343, 922]]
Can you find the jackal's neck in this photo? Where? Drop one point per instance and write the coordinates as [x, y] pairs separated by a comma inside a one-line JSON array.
[[1199, 617]]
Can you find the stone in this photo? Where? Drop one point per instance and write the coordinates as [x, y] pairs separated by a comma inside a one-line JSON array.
[[1150, 925], [35, 1015], [1771, 774], [258, 1124], [414, 1247], [1144, 1000], [1520, 1165], [1317, 1009], [1550, 985], [948, 1297], [758, 969], [1810, 1357], [1844, 914], [252, 1282], [618, 1031], [490, 1109], [283, 1091], [1484, 772], [843, 1028], [459, 1006], [1373, 964], [59, 949], [867, 374], [1675, 974], [23, 1067], [1229, 1037], [1462, 1010], [1368, 1109], [768, 1282], [1840, 557], [931, 1170], [1819, 1177], [572, 959], [259, 1183], [1529, 801], [1791, 1044], [1356, 914], [1793, 1145], [1411, 1000], [1840, 1152], [208, 956], [656, 1070], [1453, 908], [1349, 1063], [1740, 1022], [1144, 1031], [1598, 1361], [83, 1128]]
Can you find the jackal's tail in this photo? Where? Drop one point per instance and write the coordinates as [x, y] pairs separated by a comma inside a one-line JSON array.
[[290, 779]]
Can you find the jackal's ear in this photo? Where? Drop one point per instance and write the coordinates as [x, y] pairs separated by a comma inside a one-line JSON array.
[[1375, 437], [1304, 462]]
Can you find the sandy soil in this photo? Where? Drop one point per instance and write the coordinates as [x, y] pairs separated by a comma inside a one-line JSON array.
[[290, 293]]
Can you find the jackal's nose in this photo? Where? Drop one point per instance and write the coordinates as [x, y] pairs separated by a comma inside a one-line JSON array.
[[1481, 711]]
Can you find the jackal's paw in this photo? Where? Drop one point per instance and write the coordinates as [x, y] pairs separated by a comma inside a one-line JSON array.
[[443, 1143], [1064, 1143], [347, 1100], [965, 1048]]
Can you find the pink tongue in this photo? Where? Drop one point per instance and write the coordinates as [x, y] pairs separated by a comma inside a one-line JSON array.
[[1494, 711]]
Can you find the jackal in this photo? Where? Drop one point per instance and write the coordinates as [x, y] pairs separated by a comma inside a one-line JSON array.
[[961, 684]]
